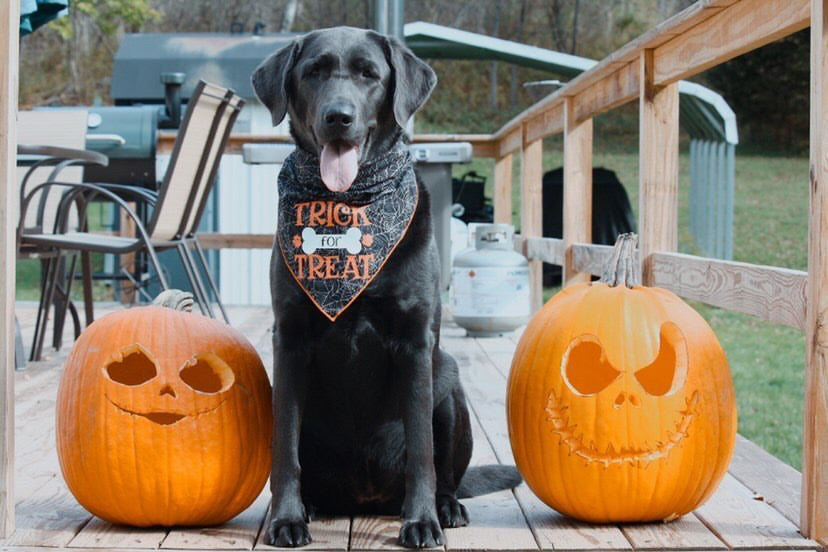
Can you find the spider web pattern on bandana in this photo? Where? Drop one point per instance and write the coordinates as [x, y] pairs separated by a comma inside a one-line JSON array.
[[334, 244]]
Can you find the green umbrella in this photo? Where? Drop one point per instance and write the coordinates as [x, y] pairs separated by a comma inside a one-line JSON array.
[[34, 13]]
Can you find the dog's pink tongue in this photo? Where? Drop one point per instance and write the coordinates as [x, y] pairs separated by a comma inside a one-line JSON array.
[[338, 166]]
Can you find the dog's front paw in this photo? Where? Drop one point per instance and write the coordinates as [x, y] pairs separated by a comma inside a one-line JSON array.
[[285, 532], [451, 512], [421, 533]]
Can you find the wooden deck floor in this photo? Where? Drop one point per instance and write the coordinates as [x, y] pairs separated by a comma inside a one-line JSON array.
[[756, 507]]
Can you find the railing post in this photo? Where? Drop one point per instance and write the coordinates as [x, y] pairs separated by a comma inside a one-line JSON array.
[[814, 513], [503, 190], [658, 166], [577, 189], [531, 211], [9, 29]]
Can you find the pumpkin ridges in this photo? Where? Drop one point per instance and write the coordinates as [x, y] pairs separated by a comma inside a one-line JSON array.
[[165, 461], [582, 488]]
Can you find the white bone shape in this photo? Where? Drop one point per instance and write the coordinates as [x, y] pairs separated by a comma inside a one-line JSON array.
[[350, 241]]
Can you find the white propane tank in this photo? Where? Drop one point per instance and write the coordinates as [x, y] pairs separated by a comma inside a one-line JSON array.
[[490, 284]]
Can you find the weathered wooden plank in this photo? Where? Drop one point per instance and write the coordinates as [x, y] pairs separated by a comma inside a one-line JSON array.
[[375, 533], [510, 142], [9, 50], [616, 89], [483, 145], [685, 533], [503, 190], [745, 523], [102, 534], [212, 240], [531, 212], [496, 519], [814, 517], [554, 531], [769, 478], [577, 189], [548, 250], [774, 294], [237, 534], [548, 123], [658, 161], [50, 517], [590, 258], [738, 28], [328, 533]]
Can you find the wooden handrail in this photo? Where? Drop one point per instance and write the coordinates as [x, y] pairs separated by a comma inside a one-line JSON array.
[[483, 145]]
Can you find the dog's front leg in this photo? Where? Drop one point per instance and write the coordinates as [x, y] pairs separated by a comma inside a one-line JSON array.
[[288, 525], [420, 528]]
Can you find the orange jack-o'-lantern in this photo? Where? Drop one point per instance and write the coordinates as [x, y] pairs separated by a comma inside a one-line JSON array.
[[164, 418], [620, 401]]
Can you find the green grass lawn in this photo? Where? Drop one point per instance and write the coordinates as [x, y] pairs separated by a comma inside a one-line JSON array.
[[771, 227]]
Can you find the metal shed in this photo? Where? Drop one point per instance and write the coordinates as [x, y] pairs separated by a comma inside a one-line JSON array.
[[704, 114]]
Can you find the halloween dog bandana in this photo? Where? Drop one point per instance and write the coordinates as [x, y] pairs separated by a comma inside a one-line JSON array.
[[335, 243]]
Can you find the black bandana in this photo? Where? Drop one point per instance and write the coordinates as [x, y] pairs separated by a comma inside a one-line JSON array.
[[334, 244]]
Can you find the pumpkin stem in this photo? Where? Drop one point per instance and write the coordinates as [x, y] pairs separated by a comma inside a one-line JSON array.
[[622, 267], [175, 299]]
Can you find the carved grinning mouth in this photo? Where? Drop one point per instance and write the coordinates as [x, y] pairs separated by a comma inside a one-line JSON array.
[[639, 457], [161, 418]]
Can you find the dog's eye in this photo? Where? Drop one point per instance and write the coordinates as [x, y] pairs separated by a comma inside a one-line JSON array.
[[312, 71], [368, 74]]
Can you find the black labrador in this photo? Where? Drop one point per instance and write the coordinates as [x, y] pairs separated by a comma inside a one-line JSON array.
[[370, 416]]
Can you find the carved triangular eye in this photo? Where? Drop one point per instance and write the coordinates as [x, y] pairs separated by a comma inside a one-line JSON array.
[[207, 373], [667, 373], [585, 368], [133, 366]]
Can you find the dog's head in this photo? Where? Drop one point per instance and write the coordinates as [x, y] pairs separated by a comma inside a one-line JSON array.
[[349, 93]]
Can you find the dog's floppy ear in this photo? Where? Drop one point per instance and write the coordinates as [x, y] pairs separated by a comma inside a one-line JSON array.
[[270, 80], [412, 77]]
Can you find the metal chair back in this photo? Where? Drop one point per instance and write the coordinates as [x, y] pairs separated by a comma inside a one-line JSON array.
[[194, 162]]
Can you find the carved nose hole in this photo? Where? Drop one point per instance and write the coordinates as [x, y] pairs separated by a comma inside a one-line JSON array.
[[167, 390], [635, 401], [619, 400]]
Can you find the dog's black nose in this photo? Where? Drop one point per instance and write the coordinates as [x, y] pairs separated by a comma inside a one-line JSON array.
[[339, 115]]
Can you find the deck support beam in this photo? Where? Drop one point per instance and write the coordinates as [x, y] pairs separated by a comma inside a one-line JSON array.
[[577, 189], [9, 37], [658, 166], [814, 513], [531, 212], [503, 190]]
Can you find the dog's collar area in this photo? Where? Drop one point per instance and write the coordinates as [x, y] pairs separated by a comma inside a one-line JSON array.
[[335, 243]]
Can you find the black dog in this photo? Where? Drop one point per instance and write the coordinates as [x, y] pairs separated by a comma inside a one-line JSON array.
[[370, 416]]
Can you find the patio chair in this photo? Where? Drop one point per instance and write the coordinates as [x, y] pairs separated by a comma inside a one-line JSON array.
[[176, 208], [51, 147]]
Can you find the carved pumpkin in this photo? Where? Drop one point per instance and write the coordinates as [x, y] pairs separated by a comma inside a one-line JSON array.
[[620, 402], [163, 418]]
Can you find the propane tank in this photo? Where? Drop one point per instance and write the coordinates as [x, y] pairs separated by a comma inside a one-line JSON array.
[[490, 284]]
